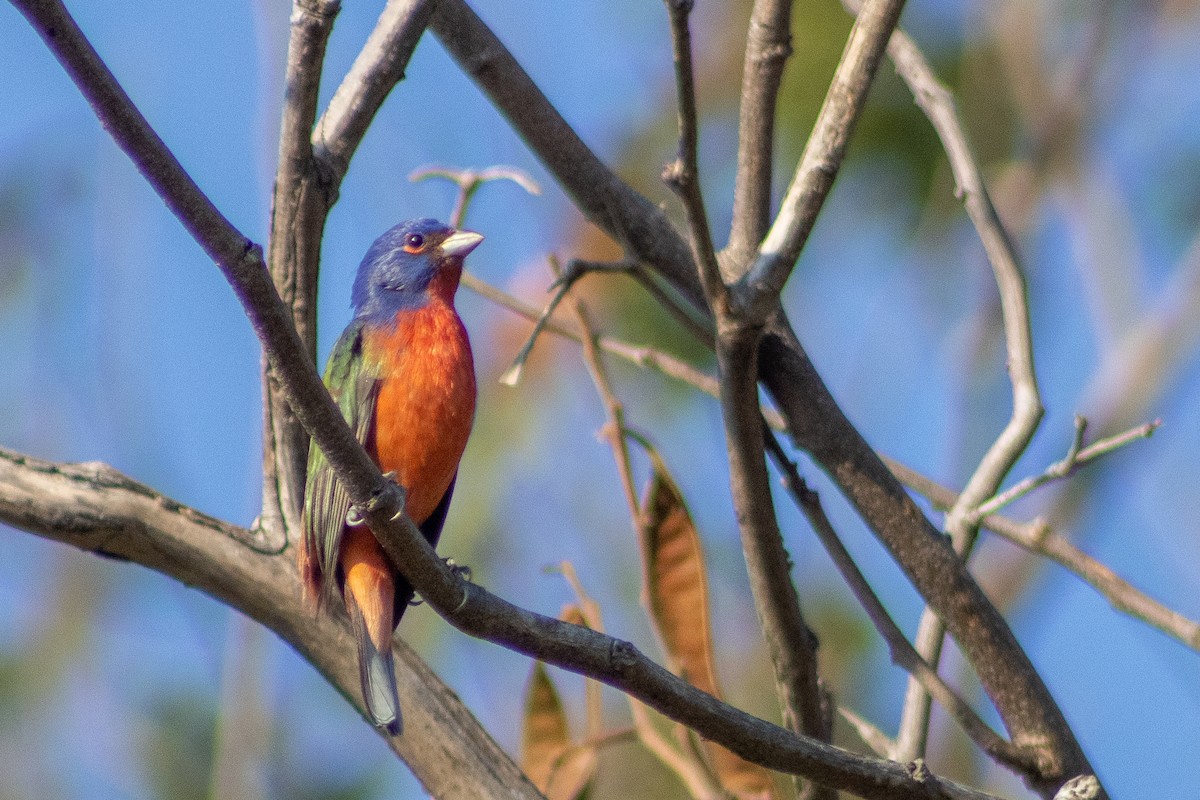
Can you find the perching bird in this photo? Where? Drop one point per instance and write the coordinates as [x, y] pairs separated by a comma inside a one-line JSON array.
[[403, 376]]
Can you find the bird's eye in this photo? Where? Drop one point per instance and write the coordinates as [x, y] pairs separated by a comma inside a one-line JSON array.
[[413, 242]]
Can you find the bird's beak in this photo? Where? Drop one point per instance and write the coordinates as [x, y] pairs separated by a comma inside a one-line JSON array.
[[460, 243]]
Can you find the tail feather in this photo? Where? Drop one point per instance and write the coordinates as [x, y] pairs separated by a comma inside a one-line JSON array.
[[370, 592], [376, 671]]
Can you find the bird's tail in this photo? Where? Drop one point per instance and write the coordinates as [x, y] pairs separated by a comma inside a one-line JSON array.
[[370, 594]]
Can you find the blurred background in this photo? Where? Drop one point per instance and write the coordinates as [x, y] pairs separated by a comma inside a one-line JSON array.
[[120, 342]]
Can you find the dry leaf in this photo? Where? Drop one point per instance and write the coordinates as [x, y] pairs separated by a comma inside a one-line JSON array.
[[677, 595], [560, 770]]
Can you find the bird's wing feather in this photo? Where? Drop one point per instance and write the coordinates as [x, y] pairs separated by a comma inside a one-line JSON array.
[[354, 384]]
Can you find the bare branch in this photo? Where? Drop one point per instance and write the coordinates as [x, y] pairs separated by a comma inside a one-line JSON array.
[[938, 105], [1076, 457], [299, 203], [790, 643], [614, 428], [377, 69], [683, 174], [768, 46], [97, 509], [1037, 538], [902, 652], [876, 739], [759, 287]]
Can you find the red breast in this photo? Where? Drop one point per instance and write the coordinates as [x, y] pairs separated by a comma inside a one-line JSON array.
[[426, 401]]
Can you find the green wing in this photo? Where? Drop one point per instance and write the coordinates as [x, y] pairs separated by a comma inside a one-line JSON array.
[[354, 385]]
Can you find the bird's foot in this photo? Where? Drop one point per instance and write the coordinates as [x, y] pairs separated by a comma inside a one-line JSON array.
[[461, 570], [354, 518]]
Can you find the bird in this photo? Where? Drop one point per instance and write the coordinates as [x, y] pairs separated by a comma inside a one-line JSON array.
[[403, 375]]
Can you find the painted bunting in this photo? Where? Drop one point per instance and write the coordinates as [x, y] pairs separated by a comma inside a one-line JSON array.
[[403, 376]]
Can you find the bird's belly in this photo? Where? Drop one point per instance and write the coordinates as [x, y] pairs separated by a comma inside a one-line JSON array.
[[425, 406]]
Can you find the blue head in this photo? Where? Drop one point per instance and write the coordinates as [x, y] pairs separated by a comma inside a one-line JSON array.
[[407, 265]]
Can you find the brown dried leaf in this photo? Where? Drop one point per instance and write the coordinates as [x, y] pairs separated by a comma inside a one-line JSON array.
[[677, 595], [545, 735], [676, 582], [560, 770]]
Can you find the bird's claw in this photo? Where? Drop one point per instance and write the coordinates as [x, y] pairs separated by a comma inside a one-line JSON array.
[[461, 570], [354, 518]]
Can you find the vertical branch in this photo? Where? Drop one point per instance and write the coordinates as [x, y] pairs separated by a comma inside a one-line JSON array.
[[298, 209], [791, 644], [683, 174], [768, 46], [789, 641], [760, 285], [312, 164]]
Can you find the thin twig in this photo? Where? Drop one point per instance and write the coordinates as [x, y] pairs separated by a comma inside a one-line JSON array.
[[1077, 456], [879, 742], [614, 428], [1037, 538], [683, 174], [469, 182]]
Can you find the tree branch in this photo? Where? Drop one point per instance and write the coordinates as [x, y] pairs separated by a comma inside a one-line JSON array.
[[789, 641], [814, 419], [311, 166], [903, 654], [375, 72], [758, 288], [938, 105], [683, 174], [299, 203], [97, 509], [768, 46], [1038, 538]]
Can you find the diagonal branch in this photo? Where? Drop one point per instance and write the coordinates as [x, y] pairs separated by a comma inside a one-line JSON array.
[[961, 521], [902, 652], [375, 72], [97, 509]]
